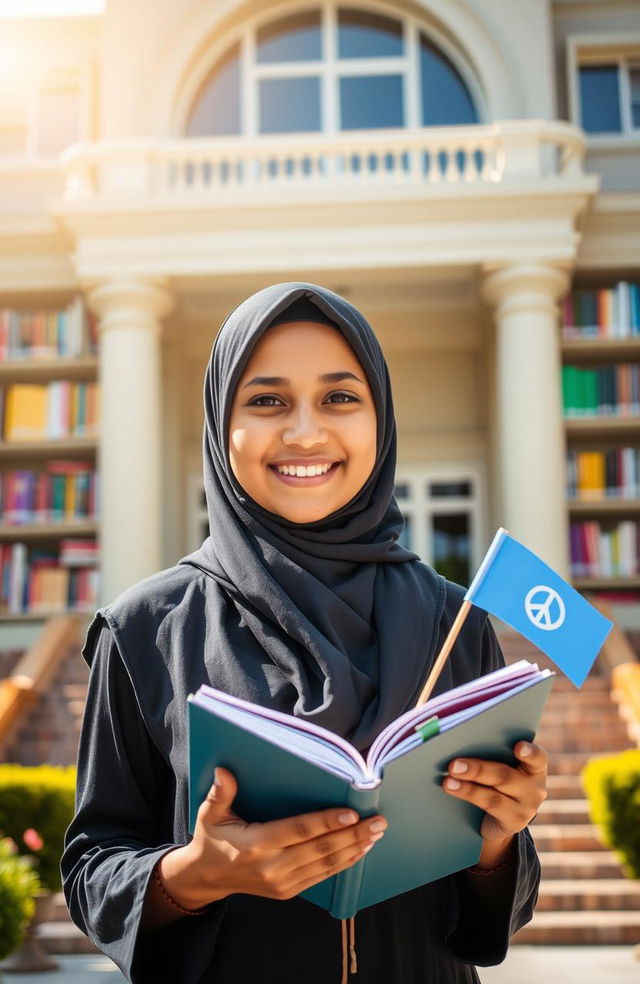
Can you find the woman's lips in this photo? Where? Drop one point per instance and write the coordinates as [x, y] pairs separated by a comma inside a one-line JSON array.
[[303, 481]]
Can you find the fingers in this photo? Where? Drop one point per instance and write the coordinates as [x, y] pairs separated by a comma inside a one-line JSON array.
[[510, 795], [305, 827], [319, 850], [532, 763], [533, 759], [330, 864], [216, 806]]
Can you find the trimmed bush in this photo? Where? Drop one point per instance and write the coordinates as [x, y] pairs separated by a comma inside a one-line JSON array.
[[612, 784], [42, 798], [18, 887]]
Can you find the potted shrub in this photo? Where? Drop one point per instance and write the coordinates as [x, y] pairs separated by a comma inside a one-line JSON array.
[[36, 807], [41, 798], [19, 885], [612, 785]]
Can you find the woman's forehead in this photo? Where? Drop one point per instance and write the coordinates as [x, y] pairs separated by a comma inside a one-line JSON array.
[[302, 345]]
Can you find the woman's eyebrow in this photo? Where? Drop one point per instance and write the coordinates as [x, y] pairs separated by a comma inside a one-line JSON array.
[[329, 377]]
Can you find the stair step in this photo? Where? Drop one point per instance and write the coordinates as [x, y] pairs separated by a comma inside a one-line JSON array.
[[578, 927], [564, 787], [565, 837], [588, 893], [590, 698], [59, 907], [64, 937], [563, 811], [579, 864], [568, 763], [587, 741]]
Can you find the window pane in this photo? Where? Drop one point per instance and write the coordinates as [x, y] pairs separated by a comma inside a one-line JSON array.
[[289, 105], [445, 97], [634, 83], [401, 490], [296, 38], [216, 111], [451, 547], [599, 99], [449, 489], [371, 102], [365, 35], [405, 534]]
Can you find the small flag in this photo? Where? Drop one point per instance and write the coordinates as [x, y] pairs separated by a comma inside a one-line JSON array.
[[524, 592]]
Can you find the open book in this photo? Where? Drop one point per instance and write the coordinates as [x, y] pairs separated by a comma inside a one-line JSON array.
[[285, 766]]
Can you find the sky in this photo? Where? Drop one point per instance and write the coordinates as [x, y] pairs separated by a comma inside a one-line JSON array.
[[49, 8]]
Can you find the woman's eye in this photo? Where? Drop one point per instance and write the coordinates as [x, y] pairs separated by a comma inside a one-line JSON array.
[[342, 398], [265, 401]]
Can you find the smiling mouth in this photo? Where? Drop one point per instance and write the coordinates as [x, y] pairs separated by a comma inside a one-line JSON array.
[[305, 475]]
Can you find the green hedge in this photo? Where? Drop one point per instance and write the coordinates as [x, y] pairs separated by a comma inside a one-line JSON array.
[[40, 797], [18, 886], [612, 784]]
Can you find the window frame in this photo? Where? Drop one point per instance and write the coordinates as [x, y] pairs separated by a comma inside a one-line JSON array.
[[415, 476], [590, 50], [421, 507], [331, 68]]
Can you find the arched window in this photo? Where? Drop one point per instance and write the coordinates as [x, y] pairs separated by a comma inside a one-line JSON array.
[[337, 67]]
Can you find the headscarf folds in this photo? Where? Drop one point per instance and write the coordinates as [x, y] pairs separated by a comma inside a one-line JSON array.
[[347, 616]]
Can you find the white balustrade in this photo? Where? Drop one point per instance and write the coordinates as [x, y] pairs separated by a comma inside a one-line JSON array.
[[507, 151]]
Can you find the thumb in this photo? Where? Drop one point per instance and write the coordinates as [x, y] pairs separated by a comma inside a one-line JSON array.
[[216, 806]]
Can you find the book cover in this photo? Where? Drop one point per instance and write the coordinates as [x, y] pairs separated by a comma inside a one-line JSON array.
[[282, 773]]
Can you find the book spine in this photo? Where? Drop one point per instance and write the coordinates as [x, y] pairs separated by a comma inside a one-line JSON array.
[[348, 884]]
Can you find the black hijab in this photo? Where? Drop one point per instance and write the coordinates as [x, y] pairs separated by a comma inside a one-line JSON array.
[[347, 615]]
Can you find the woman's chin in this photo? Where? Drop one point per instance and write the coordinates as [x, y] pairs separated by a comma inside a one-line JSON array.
[[303, 513]]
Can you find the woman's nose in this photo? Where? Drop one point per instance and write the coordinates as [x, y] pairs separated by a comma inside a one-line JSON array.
[[304, 429]]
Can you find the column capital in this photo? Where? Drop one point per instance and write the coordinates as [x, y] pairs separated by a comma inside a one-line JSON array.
[[124, 303], [529, 286]]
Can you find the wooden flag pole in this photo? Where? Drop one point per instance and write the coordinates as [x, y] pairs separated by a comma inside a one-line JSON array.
[[436, 669]]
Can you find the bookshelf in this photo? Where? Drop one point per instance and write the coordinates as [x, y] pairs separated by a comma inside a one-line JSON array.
[[600, 349], [49, 496]]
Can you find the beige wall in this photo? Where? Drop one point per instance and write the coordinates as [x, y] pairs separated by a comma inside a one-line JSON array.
[[618, 167]]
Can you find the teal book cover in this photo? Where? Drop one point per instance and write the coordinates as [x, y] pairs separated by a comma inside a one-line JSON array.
[[429, 834]]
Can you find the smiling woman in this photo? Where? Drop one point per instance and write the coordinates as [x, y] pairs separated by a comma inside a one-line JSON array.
[[300, 444], [302, 600]]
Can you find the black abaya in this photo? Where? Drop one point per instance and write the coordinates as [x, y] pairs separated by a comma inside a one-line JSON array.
[[132, 807]]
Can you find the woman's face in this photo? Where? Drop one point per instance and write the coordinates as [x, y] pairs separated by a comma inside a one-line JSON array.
[[302, 432]]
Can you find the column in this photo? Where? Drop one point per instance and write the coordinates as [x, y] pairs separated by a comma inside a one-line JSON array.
[[130, 449], [530, 440]]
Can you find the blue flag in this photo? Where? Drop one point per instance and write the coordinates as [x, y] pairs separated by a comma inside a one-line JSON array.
[[524, 592]]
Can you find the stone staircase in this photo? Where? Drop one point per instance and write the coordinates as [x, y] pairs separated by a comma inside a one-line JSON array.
[[49, 730], [584, 897]]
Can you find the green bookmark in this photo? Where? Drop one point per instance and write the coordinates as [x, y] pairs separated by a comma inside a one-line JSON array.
[[429, 728]]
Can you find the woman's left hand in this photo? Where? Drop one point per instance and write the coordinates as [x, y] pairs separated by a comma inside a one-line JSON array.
[[510, 796]]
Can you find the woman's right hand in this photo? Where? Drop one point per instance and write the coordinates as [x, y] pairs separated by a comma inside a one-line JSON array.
[[278, 859]]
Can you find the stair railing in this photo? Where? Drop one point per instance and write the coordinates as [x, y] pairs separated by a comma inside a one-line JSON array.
[[621, 663], [35, 669]]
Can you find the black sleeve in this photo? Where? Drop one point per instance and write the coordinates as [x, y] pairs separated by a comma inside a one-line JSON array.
[[117, 835], [480, 934]]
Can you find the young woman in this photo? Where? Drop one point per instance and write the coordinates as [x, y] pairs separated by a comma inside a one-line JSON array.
[[301, 598]]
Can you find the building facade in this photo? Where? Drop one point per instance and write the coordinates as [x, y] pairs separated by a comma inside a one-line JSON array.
[[455, 168]]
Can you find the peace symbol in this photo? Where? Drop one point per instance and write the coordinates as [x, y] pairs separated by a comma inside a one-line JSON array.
[[545, 608]]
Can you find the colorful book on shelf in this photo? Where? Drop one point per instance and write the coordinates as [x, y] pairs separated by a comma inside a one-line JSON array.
[[603, 312], [604, 551], [26, 412], [285, 766]]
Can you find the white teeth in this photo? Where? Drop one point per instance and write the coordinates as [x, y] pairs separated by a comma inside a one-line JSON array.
[[300, 471]]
